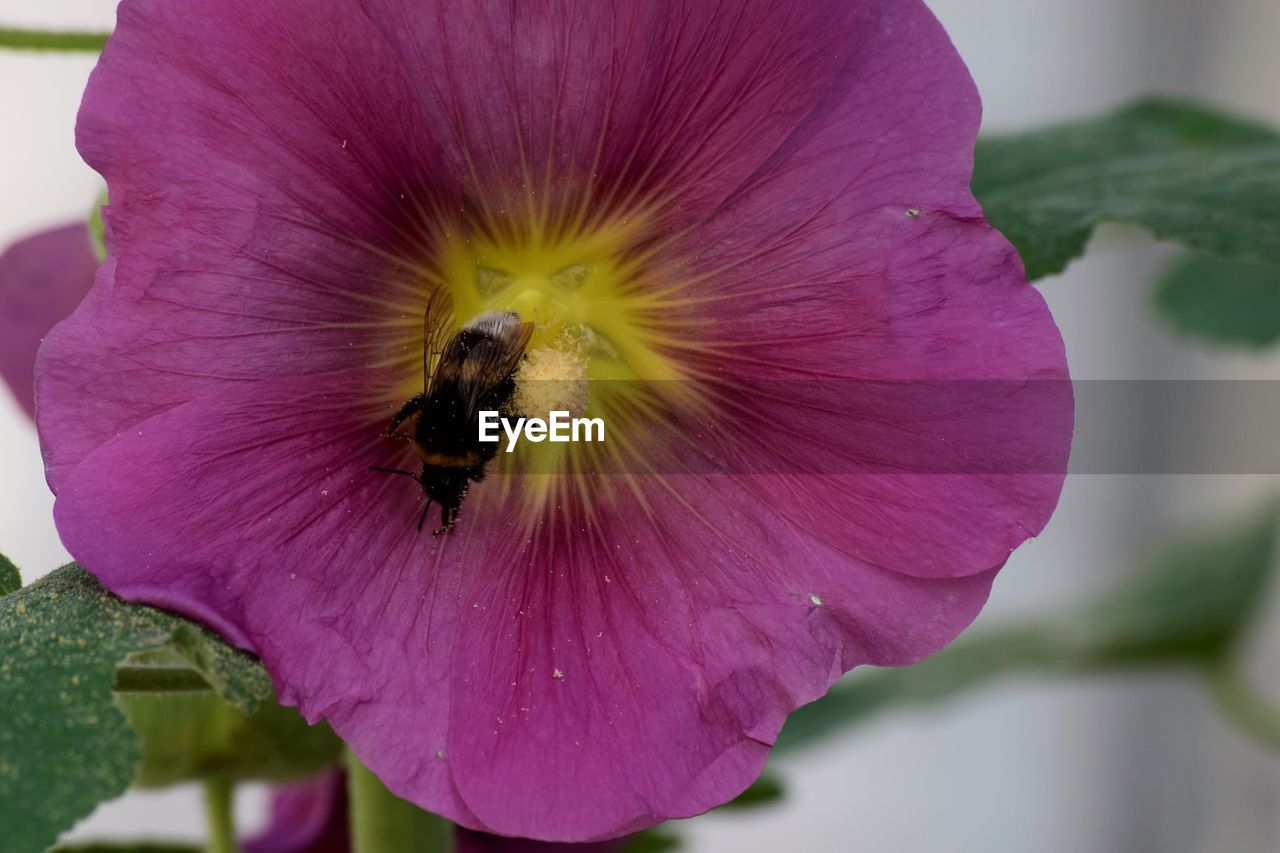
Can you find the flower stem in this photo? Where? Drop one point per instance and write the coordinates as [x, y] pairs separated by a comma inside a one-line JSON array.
[[219, 816], [157, 679], [381, 822], [16, 39]]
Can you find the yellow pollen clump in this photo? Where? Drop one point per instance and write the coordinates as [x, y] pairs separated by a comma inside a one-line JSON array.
[[552, 380]]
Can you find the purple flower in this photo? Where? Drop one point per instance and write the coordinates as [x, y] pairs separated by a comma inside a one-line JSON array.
[[42, 279], [763, 205], [306, 817]]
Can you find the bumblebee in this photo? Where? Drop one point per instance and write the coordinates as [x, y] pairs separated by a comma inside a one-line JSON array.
[[472, 371]]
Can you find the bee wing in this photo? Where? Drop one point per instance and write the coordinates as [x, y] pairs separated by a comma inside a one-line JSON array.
[[437, 325]]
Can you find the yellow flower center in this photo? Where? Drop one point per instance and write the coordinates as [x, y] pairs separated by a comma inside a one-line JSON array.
[[610, 330], [594, 289]]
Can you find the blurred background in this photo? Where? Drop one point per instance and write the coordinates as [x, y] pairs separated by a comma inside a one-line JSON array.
[[1124, 763]]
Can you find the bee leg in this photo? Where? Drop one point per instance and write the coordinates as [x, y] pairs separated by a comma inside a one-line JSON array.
[[415, 477], [407, 411], [448, 515]]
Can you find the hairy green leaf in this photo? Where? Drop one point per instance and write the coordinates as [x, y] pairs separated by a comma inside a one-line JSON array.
[[1222, 301], [64, 744], [10, 579], [1187, 173]]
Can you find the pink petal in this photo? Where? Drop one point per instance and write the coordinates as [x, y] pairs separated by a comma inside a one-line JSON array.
[[42, 278], [682, 97], [858, 256]]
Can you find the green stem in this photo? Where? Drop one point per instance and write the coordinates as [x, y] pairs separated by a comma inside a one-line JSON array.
[[219, 816], [1240, 703], [158, 679], [381, 822], [41, 40]]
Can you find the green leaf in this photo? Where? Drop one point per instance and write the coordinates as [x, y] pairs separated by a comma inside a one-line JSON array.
[[656, 840], [64, 745], [43, 40], [1189, 604], [235, 676], [10, 578], [765, 791], [1185, 607], [1185, 172], [1221, 301], [965, 665]]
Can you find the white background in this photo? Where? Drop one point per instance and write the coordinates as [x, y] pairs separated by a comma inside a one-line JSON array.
[[1123, 764]]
